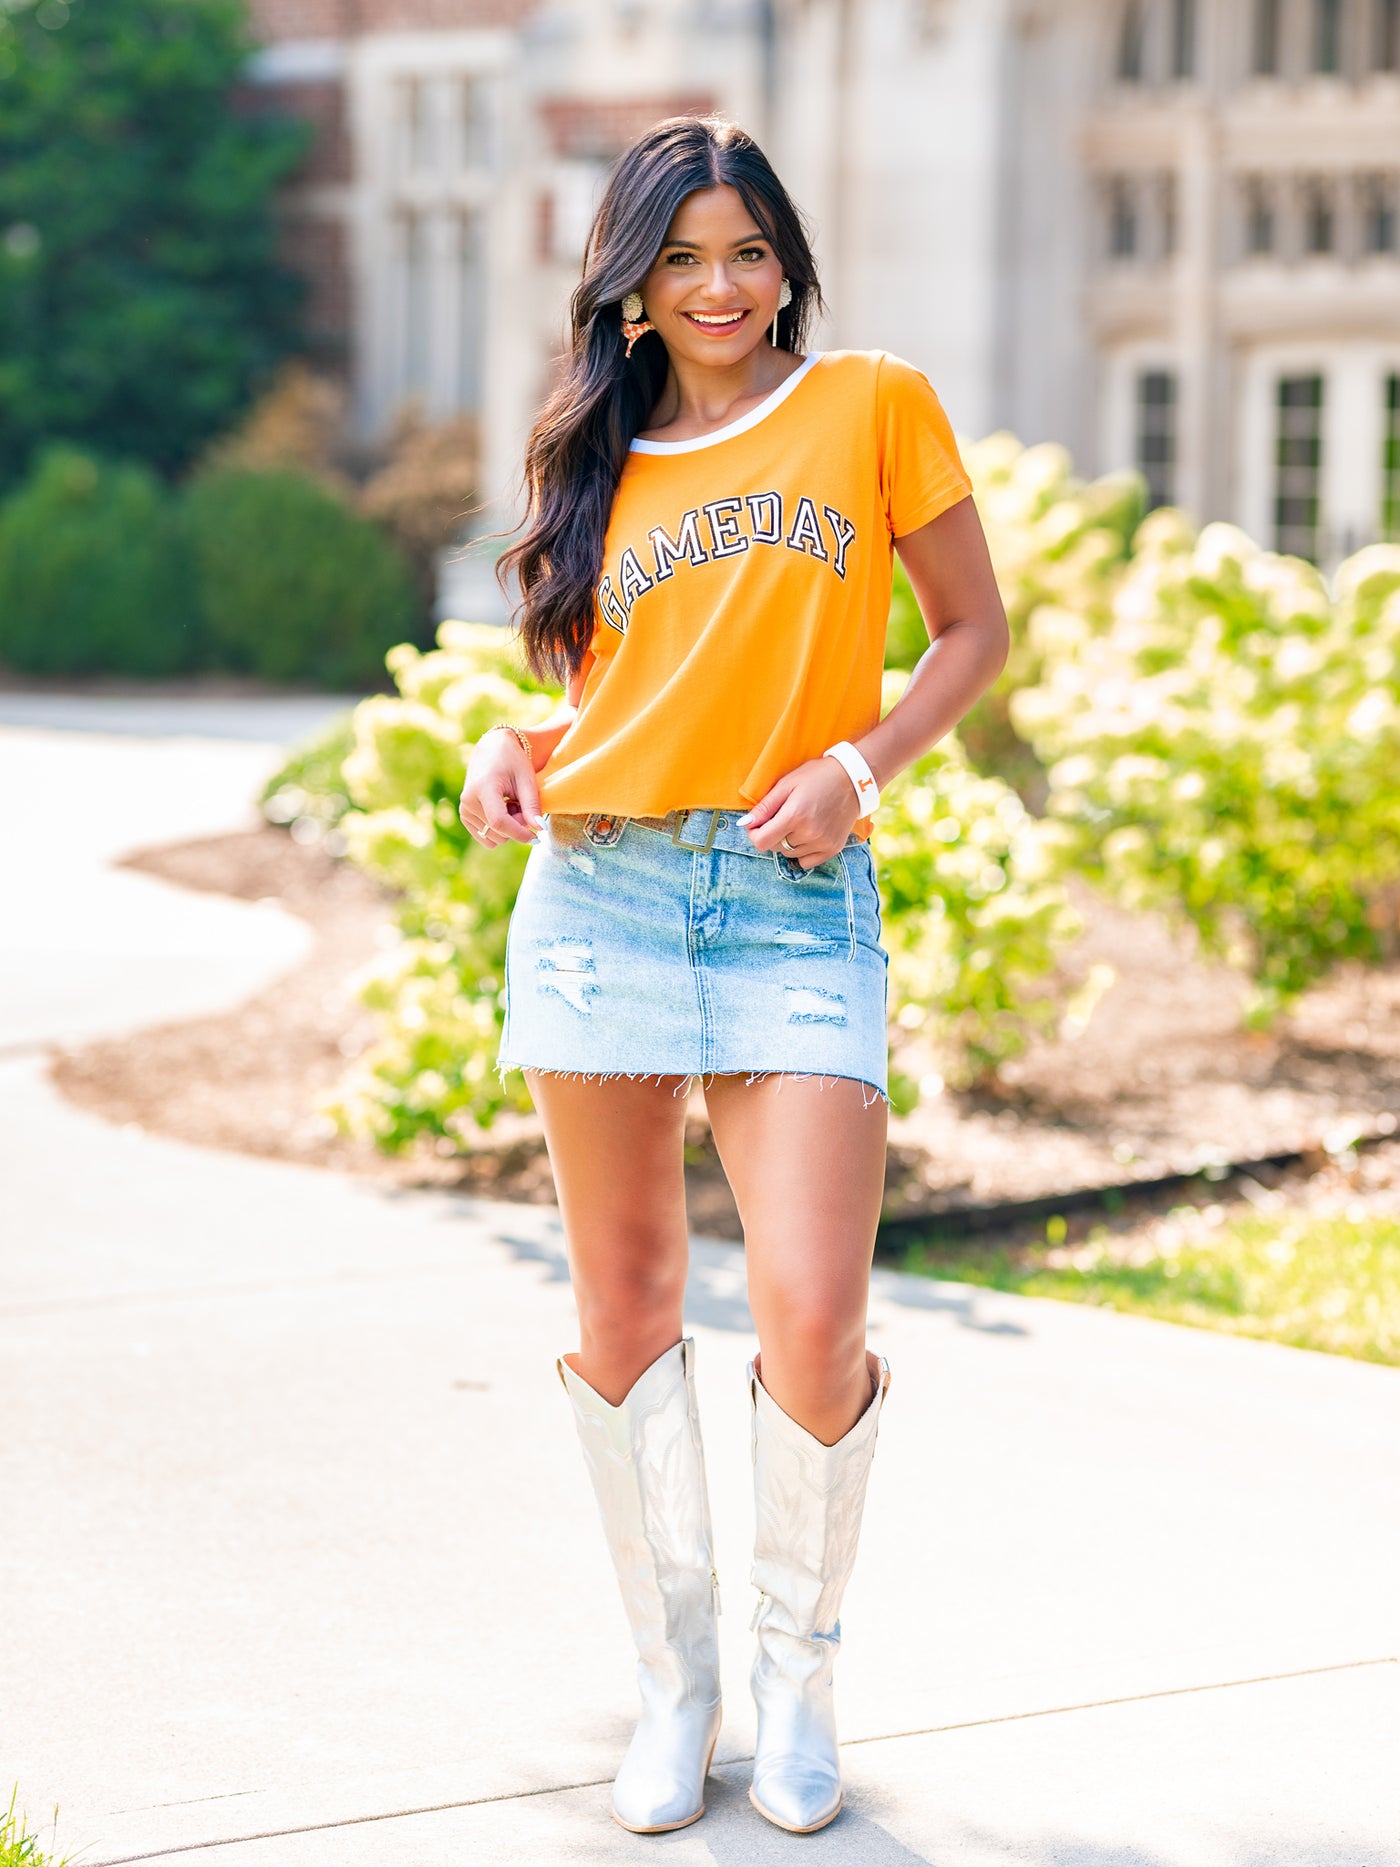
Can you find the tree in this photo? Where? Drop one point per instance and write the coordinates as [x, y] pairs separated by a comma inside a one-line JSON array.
[[141, 301]]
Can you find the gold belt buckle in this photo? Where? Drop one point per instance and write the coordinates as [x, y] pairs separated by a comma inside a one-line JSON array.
[[679, 842]]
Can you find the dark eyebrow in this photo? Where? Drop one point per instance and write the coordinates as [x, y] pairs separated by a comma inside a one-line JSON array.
[[693, 246]]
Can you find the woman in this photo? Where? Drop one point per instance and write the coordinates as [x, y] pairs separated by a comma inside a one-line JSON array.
[[707, 563]]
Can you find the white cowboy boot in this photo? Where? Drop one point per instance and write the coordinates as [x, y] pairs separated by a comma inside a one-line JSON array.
[[808, 1500], [647, 1465]]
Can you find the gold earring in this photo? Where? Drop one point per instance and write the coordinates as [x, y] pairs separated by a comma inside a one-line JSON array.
[[634, 324], [784, 299]]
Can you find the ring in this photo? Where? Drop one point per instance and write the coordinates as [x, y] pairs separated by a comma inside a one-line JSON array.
[[785, 844]]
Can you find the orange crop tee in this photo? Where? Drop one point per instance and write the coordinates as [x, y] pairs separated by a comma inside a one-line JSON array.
[[740, 616]]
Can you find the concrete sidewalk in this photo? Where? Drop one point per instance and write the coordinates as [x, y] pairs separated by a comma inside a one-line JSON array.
[[302, 1564], [88, 949]]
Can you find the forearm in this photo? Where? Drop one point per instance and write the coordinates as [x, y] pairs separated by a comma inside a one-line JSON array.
[[948, 680], [544, 738]]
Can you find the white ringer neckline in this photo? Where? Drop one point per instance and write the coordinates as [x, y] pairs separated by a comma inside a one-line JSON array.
[[743, 424]]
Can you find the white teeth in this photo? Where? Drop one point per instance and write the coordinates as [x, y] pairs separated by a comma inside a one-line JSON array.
[[701, 317]]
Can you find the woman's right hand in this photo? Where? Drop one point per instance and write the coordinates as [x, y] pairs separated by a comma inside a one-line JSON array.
[[500, 800]]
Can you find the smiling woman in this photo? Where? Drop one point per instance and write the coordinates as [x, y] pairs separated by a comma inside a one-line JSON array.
[[708, 559], [713, 280]]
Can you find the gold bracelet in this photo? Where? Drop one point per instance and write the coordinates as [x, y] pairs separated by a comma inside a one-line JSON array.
[[505, 726]]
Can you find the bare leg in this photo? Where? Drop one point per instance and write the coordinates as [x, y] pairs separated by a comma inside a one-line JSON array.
[[615, 1149], [806, 1160]]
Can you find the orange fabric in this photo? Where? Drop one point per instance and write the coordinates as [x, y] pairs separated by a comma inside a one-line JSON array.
[[740, 618]]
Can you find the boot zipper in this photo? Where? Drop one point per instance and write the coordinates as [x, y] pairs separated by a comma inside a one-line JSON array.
[[758, 1609], [714, 1584]]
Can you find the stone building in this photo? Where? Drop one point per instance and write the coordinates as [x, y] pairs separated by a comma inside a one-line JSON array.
[[1163, 232]]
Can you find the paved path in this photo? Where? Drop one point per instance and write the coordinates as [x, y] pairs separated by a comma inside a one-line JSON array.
[[301, 1565], [86, 949]]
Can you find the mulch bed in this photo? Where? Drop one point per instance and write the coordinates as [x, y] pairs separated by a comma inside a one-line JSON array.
[[1163, 1081]]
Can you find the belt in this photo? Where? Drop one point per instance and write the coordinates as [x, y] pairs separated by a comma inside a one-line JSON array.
[[697, 829]]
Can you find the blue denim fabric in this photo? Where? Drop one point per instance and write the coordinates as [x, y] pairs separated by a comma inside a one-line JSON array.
[[631, 953]]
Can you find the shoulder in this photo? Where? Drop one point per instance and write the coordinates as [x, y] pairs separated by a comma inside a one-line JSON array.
[[881, 374]]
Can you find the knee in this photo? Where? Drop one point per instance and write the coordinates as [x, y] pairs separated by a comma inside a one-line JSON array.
[[822, 1340], [627, 1303]]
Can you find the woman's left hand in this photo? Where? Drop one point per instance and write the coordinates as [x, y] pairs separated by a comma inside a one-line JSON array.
[[815, 807]]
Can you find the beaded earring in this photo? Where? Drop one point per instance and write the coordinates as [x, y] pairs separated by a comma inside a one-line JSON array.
[[634, 323], [784, 299]]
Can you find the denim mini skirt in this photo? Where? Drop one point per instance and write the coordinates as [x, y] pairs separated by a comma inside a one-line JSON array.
[[644, 946]]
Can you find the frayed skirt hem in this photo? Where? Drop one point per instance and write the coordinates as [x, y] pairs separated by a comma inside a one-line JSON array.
[[692, 1076]]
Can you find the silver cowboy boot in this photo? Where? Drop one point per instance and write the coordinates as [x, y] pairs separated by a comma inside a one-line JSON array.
[[647, 1465], [808, 1500]]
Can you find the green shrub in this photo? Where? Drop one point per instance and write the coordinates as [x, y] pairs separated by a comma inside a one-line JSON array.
[[309, 789], [1052, 539], [440, 991], [94, 576], [293, 584], [1228, 748], [974, 914]]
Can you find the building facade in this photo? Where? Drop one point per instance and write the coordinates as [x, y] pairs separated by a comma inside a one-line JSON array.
[[1162, 232]]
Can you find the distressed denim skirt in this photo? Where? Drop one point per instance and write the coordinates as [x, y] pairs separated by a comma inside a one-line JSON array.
[[644, 946]]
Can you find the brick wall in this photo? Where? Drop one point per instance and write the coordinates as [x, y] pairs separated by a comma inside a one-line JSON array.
[[602, 127], [273, 21], [321, 102], [316, 247]]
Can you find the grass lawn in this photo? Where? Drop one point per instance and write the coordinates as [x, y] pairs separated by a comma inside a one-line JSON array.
[[1313, 1280], [18, 1848]]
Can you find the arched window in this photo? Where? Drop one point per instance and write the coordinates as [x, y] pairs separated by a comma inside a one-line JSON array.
[[1265, 58], [1132, 40]]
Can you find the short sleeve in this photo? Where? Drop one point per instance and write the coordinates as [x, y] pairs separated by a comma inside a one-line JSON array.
[[921, 471]]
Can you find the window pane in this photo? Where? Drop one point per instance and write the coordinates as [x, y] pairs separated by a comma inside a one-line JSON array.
[[1298, 466], [423, 130], [471, 300], [1259, 227], [472, 105], [413, 370], [1319, 217], [406, 102], [1183, 38], [1390, 463], [1122, 218], [1327, 35], [1156, 434], [1378, 194], [1266, 37], [1387, 35]]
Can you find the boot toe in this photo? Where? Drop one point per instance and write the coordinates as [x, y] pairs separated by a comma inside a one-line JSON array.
[[650, 1802], [797, 1798]]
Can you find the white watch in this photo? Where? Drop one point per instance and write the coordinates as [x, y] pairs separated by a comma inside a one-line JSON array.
[[858, 772]]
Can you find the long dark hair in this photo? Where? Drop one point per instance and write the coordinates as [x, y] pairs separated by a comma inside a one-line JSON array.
[[575, 454]]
